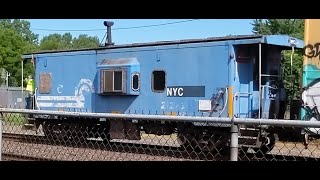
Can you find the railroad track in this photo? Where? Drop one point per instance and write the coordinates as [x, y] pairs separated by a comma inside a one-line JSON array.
[[125, 147], [122, 147], [26, 138], [88, 143], [19, 137]]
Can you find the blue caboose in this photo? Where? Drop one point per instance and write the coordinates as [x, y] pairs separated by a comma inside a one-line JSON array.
[[217, 77]]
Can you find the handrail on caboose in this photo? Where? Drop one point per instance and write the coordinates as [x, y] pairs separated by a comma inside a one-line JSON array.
[[237, 94]]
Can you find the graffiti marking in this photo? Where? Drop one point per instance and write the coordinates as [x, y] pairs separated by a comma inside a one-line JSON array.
[[312, 51], [75, 101]]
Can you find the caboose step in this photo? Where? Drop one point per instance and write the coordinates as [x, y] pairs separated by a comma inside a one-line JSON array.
[[249, 129], [247, 140], [249, 132], [31, 119], [28, 126], [247, 137]]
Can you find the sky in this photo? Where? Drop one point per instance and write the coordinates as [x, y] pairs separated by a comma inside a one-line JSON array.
[[174, 29]]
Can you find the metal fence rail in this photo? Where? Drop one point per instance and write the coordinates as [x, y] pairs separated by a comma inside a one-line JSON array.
[[90, 136]]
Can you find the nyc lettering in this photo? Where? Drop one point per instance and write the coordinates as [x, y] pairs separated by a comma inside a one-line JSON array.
[[175, 91]]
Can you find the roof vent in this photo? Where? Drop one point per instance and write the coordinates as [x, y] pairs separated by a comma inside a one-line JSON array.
[[109, 39]]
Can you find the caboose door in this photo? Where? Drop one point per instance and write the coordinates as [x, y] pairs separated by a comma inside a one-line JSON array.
[[243, 81]]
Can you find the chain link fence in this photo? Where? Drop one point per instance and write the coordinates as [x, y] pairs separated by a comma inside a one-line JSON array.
[[79, 136]]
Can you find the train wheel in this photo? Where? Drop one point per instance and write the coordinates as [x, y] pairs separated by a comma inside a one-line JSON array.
[[267, 145]]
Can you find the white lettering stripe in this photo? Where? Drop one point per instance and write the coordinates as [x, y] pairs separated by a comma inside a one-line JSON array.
[[59, 98], [64, 105]]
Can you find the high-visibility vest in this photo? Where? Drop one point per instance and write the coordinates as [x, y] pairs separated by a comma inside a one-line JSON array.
[[31, 85]]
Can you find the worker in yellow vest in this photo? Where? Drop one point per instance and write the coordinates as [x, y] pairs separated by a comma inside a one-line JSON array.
[[30, 85], [31, 89]]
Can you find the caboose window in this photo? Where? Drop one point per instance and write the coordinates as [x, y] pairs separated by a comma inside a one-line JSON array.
[[113, 81], [158, 81], [135, 82], [117, 81]]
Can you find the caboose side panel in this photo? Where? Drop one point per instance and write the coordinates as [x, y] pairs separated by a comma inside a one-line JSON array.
[[173, 79], [65, 81], [193, 77]]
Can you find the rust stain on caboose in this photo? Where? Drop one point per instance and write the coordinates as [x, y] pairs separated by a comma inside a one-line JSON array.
[[45, 83]]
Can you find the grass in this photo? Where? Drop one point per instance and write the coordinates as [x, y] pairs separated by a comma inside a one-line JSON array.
[[14, 118]]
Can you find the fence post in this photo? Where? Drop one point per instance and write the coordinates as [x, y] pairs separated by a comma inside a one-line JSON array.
[[234, 143]]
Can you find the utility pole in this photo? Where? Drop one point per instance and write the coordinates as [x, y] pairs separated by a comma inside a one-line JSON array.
[[7, 78]]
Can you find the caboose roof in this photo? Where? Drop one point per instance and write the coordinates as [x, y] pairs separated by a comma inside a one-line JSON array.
[[277, 40]]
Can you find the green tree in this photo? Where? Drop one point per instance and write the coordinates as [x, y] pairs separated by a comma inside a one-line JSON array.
[[16, 39], [12, 46], [291, 27], [66, 41], [85, 41], [22, 27], [55, 42]]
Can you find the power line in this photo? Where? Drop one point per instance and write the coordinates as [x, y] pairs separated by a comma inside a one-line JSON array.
[[154, 25], [103, 37], [121, 28]]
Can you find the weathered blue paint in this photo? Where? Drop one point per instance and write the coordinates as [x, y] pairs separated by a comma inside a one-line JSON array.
[[212, 64], [71, 76], [197, 65], [282, 40]]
